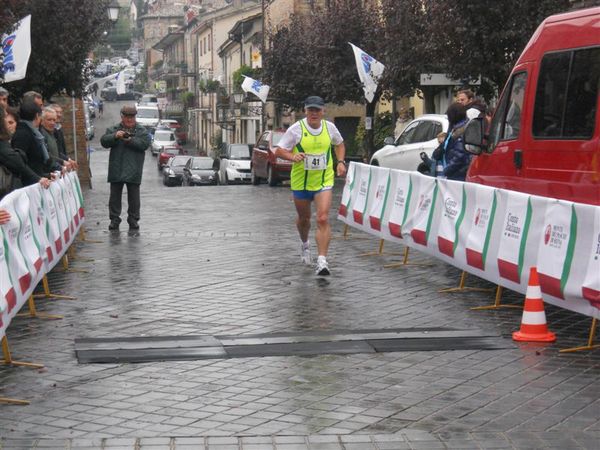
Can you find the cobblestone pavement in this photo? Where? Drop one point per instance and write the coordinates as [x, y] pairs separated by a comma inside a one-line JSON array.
[[225, 260]]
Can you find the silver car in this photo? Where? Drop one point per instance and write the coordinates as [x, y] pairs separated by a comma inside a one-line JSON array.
[[420, 135]]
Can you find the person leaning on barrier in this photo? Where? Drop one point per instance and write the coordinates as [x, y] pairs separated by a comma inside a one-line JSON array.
[[15, 160], [128, 142], [308, 143], [59, 135]]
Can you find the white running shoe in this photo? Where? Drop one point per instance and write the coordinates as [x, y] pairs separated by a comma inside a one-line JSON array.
[[305, 255], [322, 268]]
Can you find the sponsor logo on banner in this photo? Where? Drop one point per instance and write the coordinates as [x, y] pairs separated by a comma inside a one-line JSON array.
[[52, 222], [347, 193], [382, 182], [453, 211], [590, 289], [419, 219], [401, 205], [480, 232], [362, 196], [514, 237], [556, 252]]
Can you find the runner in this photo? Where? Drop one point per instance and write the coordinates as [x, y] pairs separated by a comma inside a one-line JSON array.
[[308, 143]]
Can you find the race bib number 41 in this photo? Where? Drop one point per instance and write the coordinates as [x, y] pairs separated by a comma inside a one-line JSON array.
[[315, 162]]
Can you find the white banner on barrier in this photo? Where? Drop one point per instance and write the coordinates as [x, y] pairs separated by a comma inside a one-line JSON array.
[[39, 222], [380, 180], [515, 229], [27, 242], [52, 224], [400, 201], [451, 215], [347, 193], [590, 289], [61, 214], [359, 205], [420, 215], [479, 231], [556, 246]]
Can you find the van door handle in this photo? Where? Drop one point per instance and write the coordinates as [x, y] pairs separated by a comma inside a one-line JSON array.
[[518, 158]]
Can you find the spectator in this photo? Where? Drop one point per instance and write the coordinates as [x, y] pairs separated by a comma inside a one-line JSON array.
[[58, 132], [475, 107], [35, 96], [128, 142], [29, 139], [451, 155], [15, 160], [3, 98], [47, 127]]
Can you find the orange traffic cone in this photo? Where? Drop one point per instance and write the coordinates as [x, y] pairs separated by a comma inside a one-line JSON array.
[[533, 323]]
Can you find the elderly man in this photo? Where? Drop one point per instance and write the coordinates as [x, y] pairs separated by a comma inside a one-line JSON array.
[[128, 142], [3, 98], [308, 144], [47, 128], [37, 98], [58, 132]]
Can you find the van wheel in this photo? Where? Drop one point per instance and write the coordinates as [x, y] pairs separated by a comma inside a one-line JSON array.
[[253, 178], [271, 177]]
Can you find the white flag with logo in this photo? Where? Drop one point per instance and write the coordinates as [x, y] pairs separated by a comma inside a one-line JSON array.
[[16, 49], [369, 71], [256, 87], [121, 88]]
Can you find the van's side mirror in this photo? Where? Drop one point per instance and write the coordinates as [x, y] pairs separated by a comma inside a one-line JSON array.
[[389, 140], [474, 136]]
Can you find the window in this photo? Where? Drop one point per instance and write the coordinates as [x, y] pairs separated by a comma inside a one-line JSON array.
[[567, 95], [506, 123], [407, 135], [209, 38]]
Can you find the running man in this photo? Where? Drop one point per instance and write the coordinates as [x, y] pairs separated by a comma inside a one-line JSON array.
[[308, 143]]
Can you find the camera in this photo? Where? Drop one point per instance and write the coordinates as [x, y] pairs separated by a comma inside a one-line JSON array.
[[126, 135]]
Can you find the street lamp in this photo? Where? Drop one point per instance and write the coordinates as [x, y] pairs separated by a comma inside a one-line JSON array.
[[113, 11], [238, 97]]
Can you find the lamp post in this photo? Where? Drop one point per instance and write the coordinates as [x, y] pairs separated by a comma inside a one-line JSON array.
[[113, 11]]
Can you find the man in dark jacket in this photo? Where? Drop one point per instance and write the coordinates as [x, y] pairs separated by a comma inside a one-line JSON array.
[[29, 139], [128, 142]]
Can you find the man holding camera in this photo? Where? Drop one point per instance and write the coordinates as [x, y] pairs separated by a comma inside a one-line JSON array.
[[128, 142]]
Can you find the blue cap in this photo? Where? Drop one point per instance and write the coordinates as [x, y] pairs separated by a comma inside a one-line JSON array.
[[314, 101]]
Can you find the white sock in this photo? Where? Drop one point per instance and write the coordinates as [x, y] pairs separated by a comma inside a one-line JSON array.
[[305, 245], [321, 258]]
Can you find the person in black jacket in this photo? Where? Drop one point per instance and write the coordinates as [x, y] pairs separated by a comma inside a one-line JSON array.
[[14, 160], [59, 135], [29, 139], [451, 157]]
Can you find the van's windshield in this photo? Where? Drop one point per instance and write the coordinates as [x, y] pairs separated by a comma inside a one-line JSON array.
[[147, 113]]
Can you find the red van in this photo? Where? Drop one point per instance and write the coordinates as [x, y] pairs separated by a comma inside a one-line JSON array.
[[544, 138]]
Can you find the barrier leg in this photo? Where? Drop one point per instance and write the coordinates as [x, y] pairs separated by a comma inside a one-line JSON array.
[[497, 303], [379, 252], [72, 255], [590, 344], [66, 268], [83, 238], [462, 288], [8, 358], [345, 234], [48, 294], [405, 262], [34, 314]]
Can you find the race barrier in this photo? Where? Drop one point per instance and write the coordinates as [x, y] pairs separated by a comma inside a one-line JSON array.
[[44, 223], [495, 234]]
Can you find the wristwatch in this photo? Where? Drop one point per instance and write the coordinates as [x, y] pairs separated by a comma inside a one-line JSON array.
[[342, 162]]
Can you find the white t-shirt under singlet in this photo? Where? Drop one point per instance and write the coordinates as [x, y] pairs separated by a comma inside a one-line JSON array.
[[293, 135]]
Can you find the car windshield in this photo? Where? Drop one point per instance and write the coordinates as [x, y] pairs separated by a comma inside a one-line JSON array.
[[147, 113], [277, 137], [163, 136], [179, 161], [239, 151], [201, 164]]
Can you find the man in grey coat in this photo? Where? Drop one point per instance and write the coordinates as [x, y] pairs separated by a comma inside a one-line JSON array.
[[128, 142]]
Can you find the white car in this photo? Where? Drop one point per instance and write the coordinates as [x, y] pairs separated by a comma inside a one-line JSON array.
[[234, 163], [162, 138], [148, 116], [420, 135]]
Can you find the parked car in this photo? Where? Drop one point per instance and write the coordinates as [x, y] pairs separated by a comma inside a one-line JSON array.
[[166, 154], [163, 138], [264, 164], [148, 100], [110, 94], [233, 163], [420, 135], [199, 170], [173, 171], [90, 130], [173, 124]]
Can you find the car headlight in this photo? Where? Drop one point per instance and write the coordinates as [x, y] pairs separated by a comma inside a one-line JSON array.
[[233, 164], [196, 177], [169, 171]]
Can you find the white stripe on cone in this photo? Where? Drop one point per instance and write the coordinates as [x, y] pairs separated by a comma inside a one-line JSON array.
[[534, 318], [533, 292]]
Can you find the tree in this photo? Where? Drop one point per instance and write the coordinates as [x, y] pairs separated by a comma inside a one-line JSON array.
[[311, 55], [484, 37], [62, 35]]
